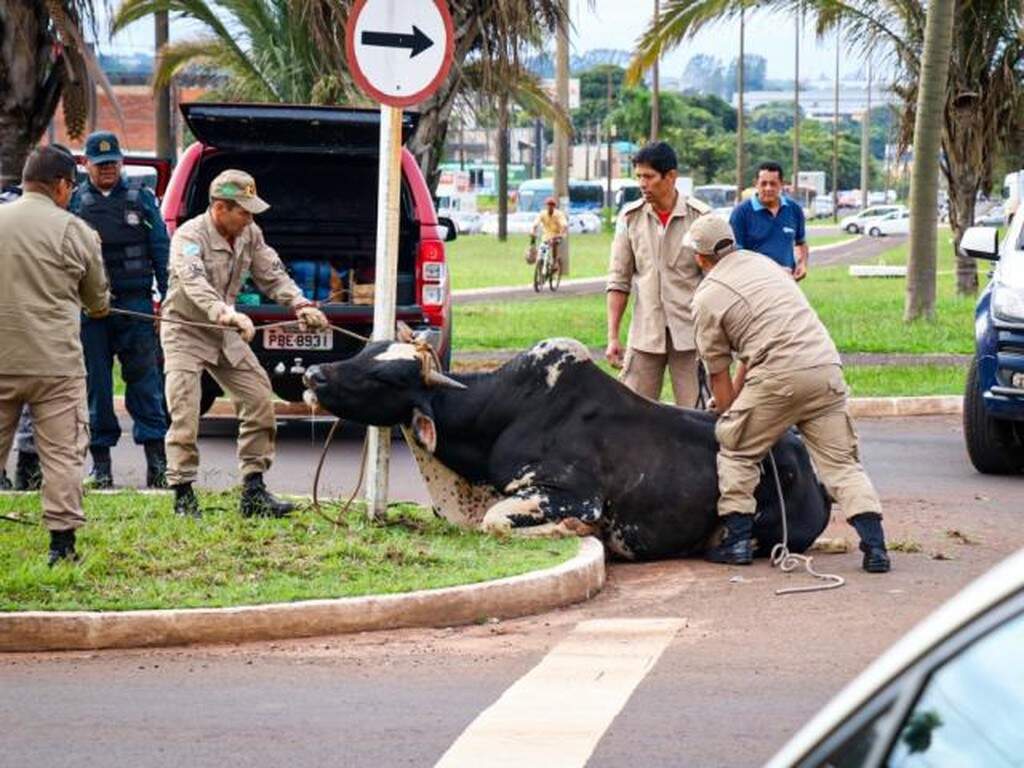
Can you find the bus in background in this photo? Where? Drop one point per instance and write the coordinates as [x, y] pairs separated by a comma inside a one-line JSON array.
[[721, 197], [584, 196]]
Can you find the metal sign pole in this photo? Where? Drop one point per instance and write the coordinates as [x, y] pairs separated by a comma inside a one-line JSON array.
[[389, 181]]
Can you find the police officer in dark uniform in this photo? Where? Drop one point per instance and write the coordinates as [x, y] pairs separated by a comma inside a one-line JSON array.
[[135, 249]]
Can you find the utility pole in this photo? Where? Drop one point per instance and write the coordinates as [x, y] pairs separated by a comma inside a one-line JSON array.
[[656, 87], [503, 147], [165, 148], [835, 130], [796, 105], [538, 148], [609, 202], [562, 132], [865, 146], [741, 170]]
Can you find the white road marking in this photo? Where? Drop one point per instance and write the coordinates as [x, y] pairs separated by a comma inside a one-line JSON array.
[[557, 712]]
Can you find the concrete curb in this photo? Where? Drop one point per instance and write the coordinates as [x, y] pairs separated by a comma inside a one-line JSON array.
[[574, 581], [881, 407]]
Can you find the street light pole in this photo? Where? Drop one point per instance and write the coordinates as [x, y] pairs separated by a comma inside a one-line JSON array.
[[796, 105], [741, 171], [865, 146], [656, 89], [561, 181], [835, 132], [164, 137], [608, 184]]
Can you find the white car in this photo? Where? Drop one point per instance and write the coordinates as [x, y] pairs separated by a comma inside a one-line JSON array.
[[519, 223], [860, 223], [949, 693], [584, 223], [467, 222], [896, 223]]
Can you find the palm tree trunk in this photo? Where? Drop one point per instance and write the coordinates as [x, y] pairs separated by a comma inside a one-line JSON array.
[[931, 100], [25, 107], [503, 167]]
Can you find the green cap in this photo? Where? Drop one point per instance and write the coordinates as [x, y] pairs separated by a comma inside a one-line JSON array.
[[239, 187]]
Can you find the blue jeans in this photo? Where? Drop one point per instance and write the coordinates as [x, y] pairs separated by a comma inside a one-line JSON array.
[[134, 342]]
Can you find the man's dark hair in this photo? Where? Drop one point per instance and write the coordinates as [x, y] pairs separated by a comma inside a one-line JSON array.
[[657, 155], [770, 166], [47, 164]]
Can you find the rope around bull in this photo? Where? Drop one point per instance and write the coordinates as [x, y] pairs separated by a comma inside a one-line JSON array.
[[338, 521], [787, 561]]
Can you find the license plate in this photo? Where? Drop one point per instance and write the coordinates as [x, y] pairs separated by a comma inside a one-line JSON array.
[[285, 338]]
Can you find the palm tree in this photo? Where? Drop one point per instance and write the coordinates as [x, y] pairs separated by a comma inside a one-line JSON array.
[[981, 108], [938, 42], [43, 61]]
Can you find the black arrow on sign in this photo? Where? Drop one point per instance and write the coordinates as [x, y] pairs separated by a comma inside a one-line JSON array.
[[417, 42]]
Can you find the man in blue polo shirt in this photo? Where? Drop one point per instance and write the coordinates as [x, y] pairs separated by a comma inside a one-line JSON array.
[[771, 223]]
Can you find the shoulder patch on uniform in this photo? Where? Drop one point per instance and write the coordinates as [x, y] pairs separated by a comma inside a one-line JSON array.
[[191, 249], [698, 205]]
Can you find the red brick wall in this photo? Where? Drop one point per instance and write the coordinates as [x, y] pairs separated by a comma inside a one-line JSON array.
[[139, 106]]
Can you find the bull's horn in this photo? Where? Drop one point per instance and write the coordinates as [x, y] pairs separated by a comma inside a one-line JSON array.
[[437, 379]]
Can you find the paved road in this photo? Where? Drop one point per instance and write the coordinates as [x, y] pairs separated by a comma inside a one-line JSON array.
[[861, 249], [743, 671]]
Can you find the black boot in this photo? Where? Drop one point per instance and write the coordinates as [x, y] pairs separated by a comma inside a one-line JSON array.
[[28, 476], [5, 483], [257, 501], [102, 475], [156, 464], [736, 548], [872, 542], [185, 502], [62, 547]]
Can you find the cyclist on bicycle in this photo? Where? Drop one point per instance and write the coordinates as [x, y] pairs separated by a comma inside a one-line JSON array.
[[553, 225]]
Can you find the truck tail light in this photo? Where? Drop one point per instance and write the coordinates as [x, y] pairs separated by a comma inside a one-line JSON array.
[[433, 272]]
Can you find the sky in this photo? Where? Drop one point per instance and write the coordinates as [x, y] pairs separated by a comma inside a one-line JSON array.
[[618, 24]]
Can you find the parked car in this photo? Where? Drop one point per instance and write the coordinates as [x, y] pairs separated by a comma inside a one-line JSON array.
[[467, 222], [994, 398], [858, 223], [895, 223], [949, 693], [821, 207], [584, 223], [994, 216], [518, 223], [317, 167]]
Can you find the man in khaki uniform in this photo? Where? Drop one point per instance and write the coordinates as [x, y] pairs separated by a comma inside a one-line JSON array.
[[210, 254], [648, 252], [790, 374], [51, 266]]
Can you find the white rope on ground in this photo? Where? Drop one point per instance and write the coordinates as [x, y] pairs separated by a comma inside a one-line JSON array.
[[788, 561]]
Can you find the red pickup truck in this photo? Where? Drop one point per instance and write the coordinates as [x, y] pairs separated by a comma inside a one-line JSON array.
[[317, 167]]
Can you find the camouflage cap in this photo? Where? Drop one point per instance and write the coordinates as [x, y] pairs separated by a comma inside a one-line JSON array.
[[710, 234], [238, 187]]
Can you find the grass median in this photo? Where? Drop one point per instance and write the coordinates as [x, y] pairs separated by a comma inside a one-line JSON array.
[[137, 554], [482, 261]]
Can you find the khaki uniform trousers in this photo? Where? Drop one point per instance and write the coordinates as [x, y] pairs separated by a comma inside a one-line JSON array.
[[644, 373], [61, 418], [249, 388], [813, 400]]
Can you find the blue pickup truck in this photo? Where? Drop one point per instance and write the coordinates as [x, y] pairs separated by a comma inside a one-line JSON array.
[[994, 399]]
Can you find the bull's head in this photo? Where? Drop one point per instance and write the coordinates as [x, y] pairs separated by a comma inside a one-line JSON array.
[[385, 385]]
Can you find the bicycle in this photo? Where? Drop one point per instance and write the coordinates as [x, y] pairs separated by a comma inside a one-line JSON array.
[[548, 268]]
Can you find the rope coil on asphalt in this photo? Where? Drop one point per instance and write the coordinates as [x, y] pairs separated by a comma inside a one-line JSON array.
[[788, 561]]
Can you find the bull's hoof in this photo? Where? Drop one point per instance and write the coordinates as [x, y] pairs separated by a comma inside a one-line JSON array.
[[876, 560], [738, 553]]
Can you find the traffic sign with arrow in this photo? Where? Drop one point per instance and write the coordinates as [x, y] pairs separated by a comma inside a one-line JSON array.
[[399, 51]]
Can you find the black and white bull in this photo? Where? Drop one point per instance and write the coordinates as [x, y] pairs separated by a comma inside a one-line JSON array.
[[551, 444]]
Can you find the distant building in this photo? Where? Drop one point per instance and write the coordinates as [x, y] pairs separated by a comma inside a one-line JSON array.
[[817, 100]]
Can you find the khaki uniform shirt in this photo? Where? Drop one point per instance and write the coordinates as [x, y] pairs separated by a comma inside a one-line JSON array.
[[51, 266], [205, 274], [551, 226], [751, 305], [665, 274]]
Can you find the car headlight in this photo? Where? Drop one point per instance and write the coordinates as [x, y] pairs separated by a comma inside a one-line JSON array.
[[1008, 303]]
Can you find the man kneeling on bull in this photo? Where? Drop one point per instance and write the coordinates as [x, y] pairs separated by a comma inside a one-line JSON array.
[[790, 374]]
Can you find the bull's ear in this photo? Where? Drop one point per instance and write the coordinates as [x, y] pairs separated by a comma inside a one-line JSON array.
[[424, 430]]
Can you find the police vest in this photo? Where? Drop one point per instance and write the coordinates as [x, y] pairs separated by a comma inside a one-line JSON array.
[[121, 221]]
